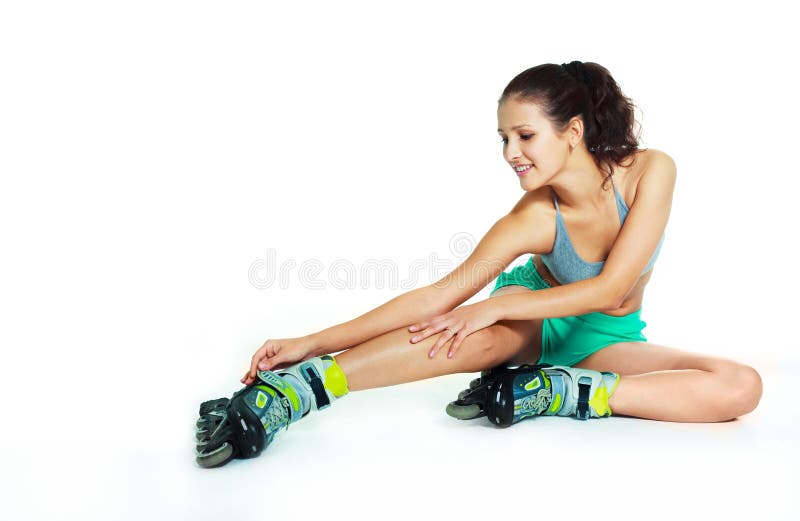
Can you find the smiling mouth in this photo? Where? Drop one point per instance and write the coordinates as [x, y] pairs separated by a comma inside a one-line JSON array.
[[522, 169]]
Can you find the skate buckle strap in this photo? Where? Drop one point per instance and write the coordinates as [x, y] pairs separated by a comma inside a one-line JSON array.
[[317, 387], [584, 386], [284, 414]]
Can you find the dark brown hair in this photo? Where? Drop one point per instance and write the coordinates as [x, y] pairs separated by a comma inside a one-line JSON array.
[[586, 90]]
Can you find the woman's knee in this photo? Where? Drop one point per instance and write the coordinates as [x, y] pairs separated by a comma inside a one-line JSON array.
[[478, 351], [499, 342], [479, 344], [751, 387], [743, 389]]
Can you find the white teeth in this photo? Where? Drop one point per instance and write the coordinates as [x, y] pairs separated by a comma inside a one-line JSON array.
[[521, 168]]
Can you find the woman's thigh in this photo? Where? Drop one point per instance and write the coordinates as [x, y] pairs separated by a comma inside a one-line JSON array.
[[627, 358], [523, 337]]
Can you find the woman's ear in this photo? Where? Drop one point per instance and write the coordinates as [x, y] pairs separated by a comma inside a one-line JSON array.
[[575, 130]]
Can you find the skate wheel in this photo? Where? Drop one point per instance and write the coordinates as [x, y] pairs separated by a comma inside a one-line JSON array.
[[217, 457], [206, 426], [213, 405], [472, 385], [464, 412], [208, 422]]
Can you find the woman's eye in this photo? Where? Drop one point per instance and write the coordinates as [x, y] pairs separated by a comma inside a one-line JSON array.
[[524, 137]]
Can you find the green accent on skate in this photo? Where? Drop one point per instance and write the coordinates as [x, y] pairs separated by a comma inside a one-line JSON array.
[[555, 406], [261, 390], [546, 382], [269, 390], [599, 402], [613, 388], [267, 413], [293, 397], [533, 384], [335, 380], [282, 385], [261, 399]]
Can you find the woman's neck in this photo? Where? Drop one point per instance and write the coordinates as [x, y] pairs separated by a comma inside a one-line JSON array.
[[580, 184]]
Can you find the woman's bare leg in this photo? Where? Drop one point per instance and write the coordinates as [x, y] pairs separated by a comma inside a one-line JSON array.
[[668, 384], [391, 359]]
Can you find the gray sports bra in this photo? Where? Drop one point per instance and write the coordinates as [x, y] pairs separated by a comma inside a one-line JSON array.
[[563, 261]]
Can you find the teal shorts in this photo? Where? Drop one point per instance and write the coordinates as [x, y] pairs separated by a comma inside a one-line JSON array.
[[568, 340]]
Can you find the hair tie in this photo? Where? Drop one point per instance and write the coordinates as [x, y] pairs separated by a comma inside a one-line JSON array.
[[578, 70]]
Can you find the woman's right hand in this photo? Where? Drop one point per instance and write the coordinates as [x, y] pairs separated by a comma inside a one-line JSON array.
[[277, 354]]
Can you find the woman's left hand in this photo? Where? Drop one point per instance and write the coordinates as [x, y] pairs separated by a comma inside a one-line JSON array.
[[461, 322]]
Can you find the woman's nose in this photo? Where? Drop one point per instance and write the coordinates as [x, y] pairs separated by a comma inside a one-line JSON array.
[[511, 152]]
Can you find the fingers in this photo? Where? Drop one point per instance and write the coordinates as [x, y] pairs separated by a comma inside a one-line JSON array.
[[254, 363], [445, 337], [455, 345], [270, 363], [427, 329], [417, 327], [420, 327], [430, 328], [267, 350]]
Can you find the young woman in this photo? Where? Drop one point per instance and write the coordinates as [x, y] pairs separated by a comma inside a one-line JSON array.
[[567, 133]]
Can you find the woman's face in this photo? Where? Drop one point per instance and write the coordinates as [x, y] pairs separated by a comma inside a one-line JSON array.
[[530, 141]]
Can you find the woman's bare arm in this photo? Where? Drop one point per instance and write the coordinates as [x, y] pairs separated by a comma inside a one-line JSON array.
[[507, 239], [401, 310]]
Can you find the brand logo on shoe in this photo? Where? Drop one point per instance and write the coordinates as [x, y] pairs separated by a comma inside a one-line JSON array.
[[534, 403], [261, 400]]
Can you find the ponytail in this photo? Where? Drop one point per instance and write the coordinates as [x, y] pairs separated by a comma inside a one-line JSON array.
[[587, 90]]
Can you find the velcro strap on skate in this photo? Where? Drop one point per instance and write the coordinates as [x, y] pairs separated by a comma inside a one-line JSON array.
[[584, 386], [317, 388]]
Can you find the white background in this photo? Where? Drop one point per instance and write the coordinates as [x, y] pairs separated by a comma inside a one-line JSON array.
[[152, 152]]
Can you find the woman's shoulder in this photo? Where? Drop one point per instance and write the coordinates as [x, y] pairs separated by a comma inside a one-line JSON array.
[[533, 216], [535, 204], [647, 156], [630, 177]]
